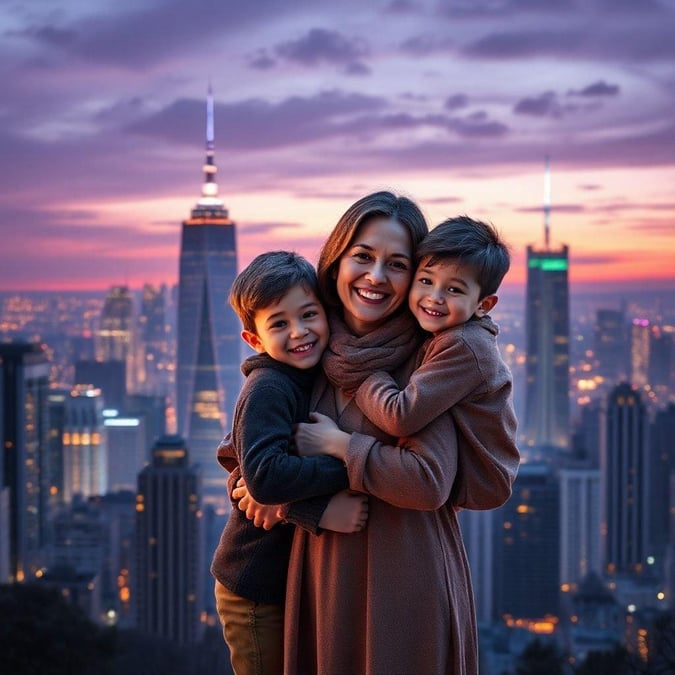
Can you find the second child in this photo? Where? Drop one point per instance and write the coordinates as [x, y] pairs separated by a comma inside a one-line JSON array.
[[461, 264]]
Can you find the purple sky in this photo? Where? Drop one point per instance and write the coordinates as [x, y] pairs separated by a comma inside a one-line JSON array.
[[454, 103]]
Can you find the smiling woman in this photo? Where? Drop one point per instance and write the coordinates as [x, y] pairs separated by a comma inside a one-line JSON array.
[[396, 596]]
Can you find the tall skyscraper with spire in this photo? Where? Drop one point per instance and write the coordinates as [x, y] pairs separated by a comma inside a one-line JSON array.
[[208, 377], [546, 423]]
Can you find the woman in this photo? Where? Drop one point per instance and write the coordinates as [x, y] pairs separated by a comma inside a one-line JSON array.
[[395, 597]]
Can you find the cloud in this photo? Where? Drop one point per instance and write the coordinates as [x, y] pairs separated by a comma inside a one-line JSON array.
[[599, 88], [425, 45], [555, 208], [547, 104], [456, 101], [320, 45], [259, 124]]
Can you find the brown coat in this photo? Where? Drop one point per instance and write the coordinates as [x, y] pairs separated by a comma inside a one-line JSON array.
[[395, 598]]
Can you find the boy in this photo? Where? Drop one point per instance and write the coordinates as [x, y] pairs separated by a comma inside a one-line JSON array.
[[284, 321], [461, 264]]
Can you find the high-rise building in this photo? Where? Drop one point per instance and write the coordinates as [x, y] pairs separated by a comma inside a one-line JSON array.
[[116, 336], [153, 370], [24, 385], [108, 376], [85, 454], [640, 343], [527, 529], [624, 469], [546, 423], [478, 535], [580, 549], [660, 357], [661, 468], [127, 450], [208, 377], [610, 344], [169, 544], [56, 402]]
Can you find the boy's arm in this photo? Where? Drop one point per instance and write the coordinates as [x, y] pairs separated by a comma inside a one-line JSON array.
[[449, 372], [272, 474]]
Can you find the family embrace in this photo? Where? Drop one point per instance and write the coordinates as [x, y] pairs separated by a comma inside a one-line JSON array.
[[376, 407]]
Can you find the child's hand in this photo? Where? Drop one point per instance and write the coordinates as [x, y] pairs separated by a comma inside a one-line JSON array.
[[262, 515], [346, 512], [321, 436]]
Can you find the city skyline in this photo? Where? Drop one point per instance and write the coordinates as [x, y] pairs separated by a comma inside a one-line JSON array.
[[456, 105]]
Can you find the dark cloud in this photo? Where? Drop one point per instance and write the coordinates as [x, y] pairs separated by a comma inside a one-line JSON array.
[[482, 9], [547, 104], [590, 187], [140, 36], [456, 101], [48, 35], [261, 60], [600, 88], [320, 45], [425, 45], [581, 260], [555, 208], [526, 43], [644, 41], [403, 7], [255, 123]]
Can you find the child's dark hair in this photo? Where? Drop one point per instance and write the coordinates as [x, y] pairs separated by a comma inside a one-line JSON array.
[[471, 242], [266, 280]]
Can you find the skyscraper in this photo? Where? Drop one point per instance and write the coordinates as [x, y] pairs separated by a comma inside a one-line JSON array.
[[208, 378], [610, 343], [527, 529], [546, 423], [85, 453], [624, 470], [24, 384], [580, 549], [169, 544], [116, 338]]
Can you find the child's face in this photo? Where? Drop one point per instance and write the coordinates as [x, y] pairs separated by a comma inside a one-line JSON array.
[[294, 331], [446, 294]]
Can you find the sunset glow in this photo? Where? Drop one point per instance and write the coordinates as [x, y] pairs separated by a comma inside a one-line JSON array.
[[456, 106]]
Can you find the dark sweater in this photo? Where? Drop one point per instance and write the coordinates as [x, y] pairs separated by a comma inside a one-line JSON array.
[[250, 561]]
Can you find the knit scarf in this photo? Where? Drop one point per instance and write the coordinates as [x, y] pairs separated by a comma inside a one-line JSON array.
[[350, 359]]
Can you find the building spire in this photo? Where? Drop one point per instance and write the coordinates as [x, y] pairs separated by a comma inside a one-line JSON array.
[[547, 204], [209, 187]]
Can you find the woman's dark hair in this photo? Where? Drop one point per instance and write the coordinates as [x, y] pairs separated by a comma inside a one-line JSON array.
[[376, 205]]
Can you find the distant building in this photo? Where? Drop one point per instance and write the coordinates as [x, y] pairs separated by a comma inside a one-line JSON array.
[[152, 368], [580, 533], [625, 475], [24, 370], [527, 546], [640, 343], [661, 472], [547, 336], [660, 368], [597, 619], [169, 545], [610, 344], [128, 451], [56, 406], [108, 376], [115, 340], [208, 377], [478, 535], [85, 453]]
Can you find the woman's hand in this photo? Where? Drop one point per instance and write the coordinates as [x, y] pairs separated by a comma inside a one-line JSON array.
[[262, 515], [321, 436]]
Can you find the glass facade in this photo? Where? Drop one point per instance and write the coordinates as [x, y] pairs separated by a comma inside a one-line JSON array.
[[546, 423]]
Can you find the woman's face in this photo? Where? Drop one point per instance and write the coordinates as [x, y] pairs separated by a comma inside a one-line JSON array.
[[374, 273]]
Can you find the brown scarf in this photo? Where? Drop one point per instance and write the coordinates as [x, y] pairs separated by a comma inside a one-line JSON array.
[[350, 359]]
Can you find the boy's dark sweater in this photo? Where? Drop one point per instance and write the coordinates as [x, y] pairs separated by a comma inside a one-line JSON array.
[[250, 561]]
